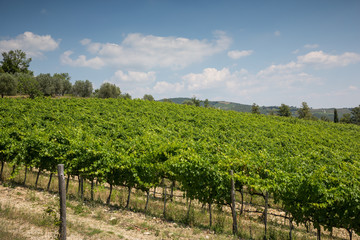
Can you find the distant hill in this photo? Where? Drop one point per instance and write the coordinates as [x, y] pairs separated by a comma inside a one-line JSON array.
[[328, 112]]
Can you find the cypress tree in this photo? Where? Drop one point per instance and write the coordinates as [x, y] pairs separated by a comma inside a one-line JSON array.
[[336, 117]]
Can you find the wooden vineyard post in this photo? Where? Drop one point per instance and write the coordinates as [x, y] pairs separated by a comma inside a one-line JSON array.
[[233, 204], [265, 213], [62, 192], [164, 212]]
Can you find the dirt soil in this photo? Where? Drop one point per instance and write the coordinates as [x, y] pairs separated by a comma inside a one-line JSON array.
[[91, 223]]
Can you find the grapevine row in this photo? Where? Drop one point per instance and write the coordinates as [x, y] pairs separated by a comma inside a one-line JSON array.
[[311, 168]]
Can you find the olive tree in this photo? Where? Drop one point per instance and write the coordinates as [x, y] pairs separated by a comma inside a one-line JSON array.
[[304, 111], [8, 84], [28, 85], [62, 83], [284, 111], [255, 109], [355, 118], [46, 84], [108, 90], [82, 88], [148, 97]]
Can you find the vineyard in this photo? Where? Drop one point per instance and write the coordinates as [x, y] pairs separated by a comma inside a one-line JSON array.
[[311, 169]]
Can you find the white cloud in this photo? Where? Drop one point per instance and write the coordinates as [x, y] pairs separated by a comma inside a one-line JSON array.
[[276, 83], [239, 82], [85, 41], [286, 76], [276, 78], [277, 33], [134, 76], [321, 59], [353, 88], [239, 54], [316, 58], [209, 78], [166, 87], [311, 46], [81, 61], [148, 51], [34, 45], [280, 69]]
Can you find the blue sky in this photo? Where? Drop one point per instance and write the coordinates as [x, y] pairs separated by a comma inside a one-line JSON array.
[[264, 52]]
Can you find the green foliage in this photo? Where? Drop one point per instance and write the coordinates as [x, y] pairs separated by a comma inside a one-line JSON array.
[[310, 167], [255, 109], [15, 61], [304, 111], [46, 84], [324, 118], [28, 85], [346, 118], [125, 96], [355, 118], [284, 110], [82, 88], [148, 97], [336, 117], [8, 84], [167, 100], [62, 83], [108, 90], [206, 103], [196, 101], [188, 102]]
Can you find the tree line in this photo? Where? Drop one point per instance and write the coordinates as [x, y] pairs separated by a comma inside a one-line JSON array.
[[304, 112], [16, 78]]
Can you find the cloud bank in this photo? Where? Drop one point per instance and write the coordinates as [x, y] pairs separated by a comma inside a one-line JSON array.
[[148, 51], [34, 45], [321, 59], [277, 79]]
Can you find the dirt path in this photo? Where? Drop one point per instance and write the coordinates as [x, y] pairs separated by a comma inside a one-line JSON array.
[[23, 212]]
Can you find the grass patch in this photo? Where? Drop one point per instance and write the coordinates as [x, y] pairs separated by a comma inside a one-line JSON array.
[[148, 227], [5, 235], [99, 215], [79, 209], [31, 195], [130, 228], [93, 231], [41, 220]]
